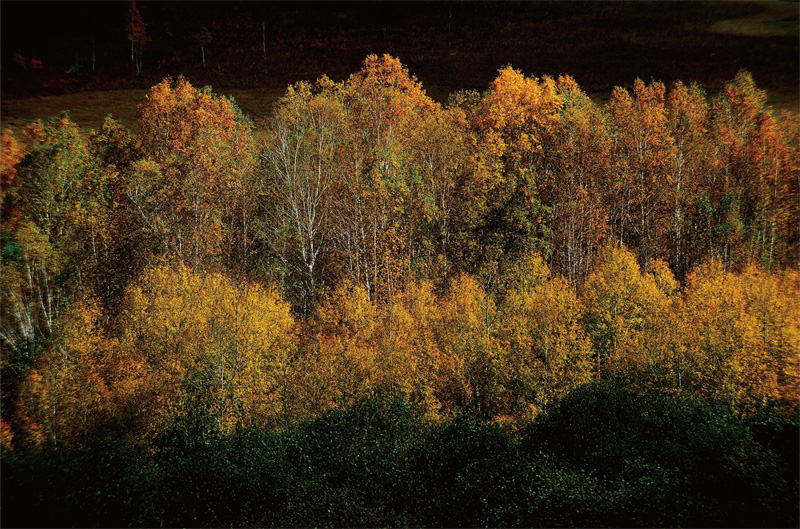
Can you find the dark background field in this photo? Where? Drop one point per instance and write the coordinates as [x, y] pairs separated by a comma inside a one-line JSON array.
[[448, 45]]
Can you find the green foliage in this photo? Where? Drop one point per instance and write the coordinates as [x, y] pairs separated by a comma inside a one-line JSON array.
[[108, 483], [669, 460], [458, 473], [666, 461], [346, 467], [199, 481]]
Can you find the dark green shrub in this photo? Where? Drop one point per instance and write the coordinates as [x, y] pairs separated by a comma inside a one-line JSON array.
[[666, 460]]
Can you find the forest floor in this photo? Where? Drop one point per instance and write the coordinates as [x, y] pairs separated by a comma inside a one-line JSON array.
[[449, 46]]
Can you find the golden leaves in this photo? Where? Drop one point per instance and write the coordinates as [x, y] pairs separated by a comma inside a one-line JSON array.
[[521, 109], [548, 352], [185, 335], [376, 193], [231, 341], [742, 329], [205, 154], [620, 303], [10, 155]]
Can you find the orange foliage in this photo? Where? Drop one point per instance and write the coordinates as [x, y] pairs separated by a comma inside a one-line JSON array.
[[196, 177], [67, 397], [643, 150], [643, 240], [373, 223], [6, 437], [10, 155], [579, 154], [345, 361]]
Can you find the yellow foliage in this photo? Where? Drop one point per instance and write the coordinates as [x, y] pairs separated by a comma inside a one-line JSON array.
[[528, 273], [726, 340], [621, 303], [774, 299], [344, 368], [229, 345], [549, 352], [466, 337], [663, 277], [10, 155], [410, 359]]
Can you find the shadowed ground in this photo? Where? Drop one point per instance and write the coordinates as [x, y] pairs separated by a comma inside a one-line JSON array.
[[259, 48]]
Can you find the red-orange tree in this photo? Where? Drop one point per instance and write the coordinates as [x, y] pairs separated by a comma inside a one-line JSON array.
[[643, 148], [192, 189]]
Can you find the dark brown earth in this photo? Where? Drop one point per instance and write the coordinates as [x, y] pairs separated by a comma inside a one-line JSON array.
[[257, 49]]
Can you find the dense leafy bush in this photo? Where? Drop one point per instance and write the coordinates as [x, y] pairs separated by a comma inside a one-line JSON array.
[[673, 460], [106, 484], [605, 455]]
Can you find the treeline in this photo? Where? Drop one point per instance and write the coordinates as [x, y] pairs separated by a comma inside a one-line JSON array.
[[483, 257], [184, 336], [604, 456]]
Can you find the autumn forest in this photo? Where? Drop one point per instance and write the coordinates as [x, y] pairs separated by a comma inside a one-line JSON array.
[[521, 307]]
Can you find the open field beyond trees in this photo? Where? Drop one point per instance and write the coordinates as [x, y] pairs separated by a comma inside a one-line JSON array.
[[448, 46]]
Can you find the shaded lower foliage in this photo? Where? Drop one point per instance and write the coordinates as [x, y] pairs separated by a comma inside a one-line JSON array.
[[468, 474], [347, 467], [106, 484], [674, 460], [605, 455], [205, 478]]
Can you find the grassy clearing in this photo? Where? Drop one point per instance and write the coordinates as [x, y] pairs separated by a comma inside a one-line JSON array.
[[601, 44], [89, 109], [778, 19]]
